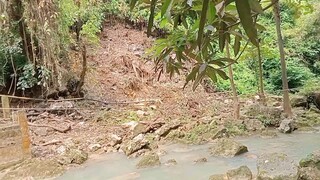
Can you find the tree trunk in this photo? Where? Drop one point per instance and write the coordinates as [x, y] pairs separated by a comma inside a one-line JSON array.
[[236, 105], [261, 86], [285, 87]]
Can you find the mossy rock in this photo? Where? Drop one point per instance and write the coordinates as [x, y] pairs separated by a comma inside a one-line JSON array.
[[227, 148], [312, 160], [149, 160], [269, 116], [243, 172], [74, 156]]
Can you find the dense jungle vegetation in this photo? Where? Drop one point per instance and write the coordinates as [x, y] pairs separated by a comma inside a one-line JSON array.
[[38, 36]]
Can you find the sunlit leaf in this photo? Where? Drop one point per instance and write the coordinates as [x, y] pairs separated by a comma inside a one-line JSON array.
[[246, 20], [211, 12]]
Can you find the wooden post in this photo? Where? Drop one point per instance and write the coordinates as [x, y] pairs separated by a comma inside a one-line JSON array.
[[5, 106], [26, 142]]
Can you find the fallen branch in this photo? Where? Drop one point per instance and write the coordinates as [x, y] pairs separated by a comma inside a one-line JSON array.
[[51, 142], [55, 128]]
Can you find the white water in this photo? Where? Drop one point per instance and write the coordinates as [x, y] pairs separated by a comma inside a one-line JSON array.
[[117, 166]]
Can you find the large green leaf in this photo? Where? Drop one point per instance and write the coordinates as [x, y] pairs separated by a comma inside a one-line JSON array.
[[246, 20], [237, 44], [198, 80], [151, 17], [192, 75], [203, 19], [166, 7], [212, 74], [256, 6], [222, 74], [211, 12], [222, 35]]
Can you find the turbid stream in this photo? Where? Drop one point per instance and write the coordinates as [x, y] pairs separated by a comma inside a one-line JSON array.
[[117, 167]]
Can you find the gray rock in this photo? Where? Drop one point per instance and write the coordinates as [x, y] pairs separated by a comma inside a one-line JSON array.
[[165, 129], [200, 160], [274, 166], [227, 148], [94, 147], [287, 126], [241, 173], [309, 173], [139, 129], [150, 160], [134, 145], [171, 162], [254, 125], [74, 156], [312, 160], [114, 140]]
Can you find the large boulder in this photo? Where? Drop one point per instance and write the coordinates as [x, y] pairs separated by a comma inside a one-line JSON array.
[[287, 126], [149, 160], [165, 129], [274, 166], [134, 145], [312, 160], [73, 156], [309, 173], [269, 116], [227, 148], [298, 101], [241, 173], [253, 125]]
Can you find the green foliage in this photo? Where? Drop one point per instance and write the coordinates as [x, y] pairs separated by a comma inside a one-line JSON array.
[[121, 9], [198, 28], [31, 77], [90, 13], [10, 53], [297, 73]]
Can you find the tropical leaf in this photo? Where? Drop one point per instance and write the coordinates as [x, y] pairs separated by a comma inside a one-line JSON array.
[[222, 35], [256, 6], [222, 74], [211, 73], [151, 17], [203, 19], [192, 75], [237, 44], [166, 7], [246, 20]]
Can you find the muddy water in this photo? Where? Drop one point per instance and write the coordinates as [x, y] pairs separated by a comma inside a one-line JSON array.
[[117, 167]]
